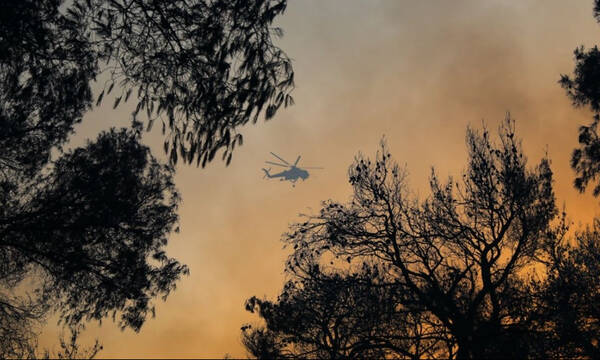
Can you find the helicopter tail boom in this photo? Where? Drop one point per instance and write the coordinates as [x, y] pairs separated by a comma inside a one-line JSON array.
[[266, 173]]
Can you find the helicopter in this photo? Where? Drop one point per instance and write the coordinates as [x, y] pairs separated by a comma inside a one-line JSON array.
[[292, 174]]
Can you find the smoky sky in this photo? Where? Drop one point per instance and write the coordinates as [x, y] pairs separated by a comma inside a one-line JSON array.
[[416, 72]]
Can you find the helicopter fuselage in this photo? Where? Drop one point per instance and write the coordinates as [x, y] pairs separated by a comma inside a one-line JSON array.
[[292, 174]]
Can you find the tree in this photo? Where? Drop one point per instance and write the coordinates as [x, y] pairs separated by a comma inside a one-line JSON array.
[[584, 90], [83, 232], [204, 68], [338, 316], [19, 316], [72, 350], [90, 233], [69, 349], [460, 256], [566, 299]]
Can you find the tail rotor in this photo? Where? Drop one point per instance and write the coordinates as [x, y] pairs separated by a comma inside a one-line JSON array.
[[267, 175]]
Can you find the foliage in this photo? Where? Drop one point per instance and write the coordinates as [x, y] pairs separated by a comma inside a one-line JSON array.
[[584, 90], [586, 159], [45, 70], [72, 350], [91, 232], [203, 67], [19, 316], [83, 232], [69, 349], [460, 257], [569, 295], [44, 76], [337, 315], [567, 298], [97, 228]]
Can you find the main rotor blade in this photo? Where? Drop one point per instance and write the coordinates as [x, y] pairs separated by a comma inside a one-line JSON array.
[[298, 159], [272, 163], [277, 156], [312, 167]]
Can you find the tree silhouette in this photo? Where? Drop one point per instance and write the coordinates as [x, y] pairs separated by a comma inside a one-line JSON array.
[[19, 317], [460, 257], [339, 315], [584, 90], [45, 70], [91, 233], [83, 232], [566, 300], [69, 349], [203, 68]]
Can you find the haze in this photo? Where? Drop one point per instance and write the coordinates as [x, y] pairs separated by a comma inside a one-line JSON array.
[[417, 72]]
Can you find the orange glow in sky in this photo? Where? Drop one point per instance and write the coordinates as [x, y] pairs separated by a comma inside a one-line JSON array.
[[415, 71]]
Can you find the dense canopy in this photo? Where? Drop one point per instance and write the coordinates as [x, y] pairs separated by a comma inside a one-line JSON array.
[[455, 275], [83, 231]]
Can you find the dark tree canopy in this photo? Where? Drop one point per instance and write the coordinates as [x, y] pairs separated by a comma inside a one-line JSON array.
[[98, 226], [83, 232], [203, 67], [464, 263], [570, 293], [44, 79], [566, 300], [91, 232], [583, 87], [19, 316], [586, 159], [335, 316], [45, 70], [69, 348]]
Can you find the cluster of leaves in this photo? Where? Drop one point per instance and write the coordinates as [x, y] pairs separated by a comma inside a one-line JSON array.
[[204, 68], [19, 316], [91, 232], [102, 212], [566, 300], [44, 77], [459, 266], [46, 66], [83, 232], [583, 87], [69, 349], [335, 316]]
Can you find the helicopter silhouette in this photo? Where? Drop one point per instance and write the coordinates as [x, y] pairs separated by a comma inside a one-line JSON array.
[[292, 174]]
